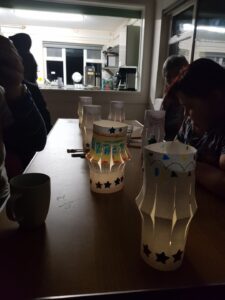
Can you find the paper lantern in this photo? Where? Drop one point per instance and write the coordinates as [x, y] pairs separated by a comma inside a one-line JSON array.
[[108, 156], [83, 101], [91, 113], [154, 123], [116, 112], [166, 203]]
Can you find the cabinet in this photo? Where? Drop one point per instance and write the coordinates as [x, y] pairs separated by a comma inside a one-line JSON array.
[[132, 45], [129, 42]]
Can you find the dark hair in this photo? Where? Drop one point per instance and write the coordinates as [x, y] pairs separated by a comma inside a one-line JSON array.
[[30, 67], [174, 63], [199, 79], [23, 42]]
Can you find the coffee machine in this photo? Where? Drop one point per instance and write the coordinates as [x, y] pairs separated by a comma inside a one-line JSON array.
[[126, 78], [90, 75], [94, 74]]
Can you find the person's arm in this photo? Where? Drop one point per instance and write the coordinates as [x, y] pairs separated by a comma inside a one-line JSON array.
[[28, 132], [212, 178], [40, 103]]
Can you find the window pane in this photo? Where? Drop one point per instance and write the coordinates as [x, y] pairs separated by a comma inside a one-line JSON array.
[[182, 22], [54, 52], [182, 30], [54, 69], [181, 48], [93, 54], [74, 63], [210, 34]]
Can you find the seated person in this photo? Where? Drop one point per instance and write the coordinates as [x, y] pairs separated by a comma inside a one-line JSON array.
[[201, 91], [25, 133], [23, 43], [174, 111]]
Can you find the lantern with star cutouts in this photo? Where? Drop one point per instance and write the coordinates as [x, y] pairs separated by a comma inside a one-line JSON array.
[[108, 156], [166, 203]]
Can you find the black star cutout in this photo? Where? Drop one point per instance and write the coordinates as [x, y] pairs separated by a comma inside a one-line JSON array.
[[173, 174], [112, 130], [161, 257], [121, 179], [120, 130], [189, 173], [98, 185], [117, 181], [177, 256], [107, 184], [146, 250]]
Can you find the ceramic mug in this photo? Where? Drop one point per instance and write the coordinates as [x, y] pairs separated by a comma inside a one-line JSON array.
[[29, 200]]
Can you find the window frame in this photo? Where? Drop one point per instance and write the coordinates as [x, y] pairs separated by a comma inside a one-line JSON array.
[[165, 36]]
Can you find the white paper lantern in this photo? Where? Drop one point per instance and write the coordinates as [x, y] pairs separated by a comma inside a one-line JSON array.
[[117, 112], [167, 203], [91, 113], [83, 100], [108, 156]]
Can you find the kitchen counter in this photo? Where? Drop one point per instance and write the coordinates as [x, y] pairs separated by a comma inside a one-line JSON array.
[[73, 88]]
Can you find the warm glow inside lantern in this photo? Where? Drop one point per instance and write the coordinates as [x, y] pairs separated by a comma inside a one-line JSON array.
[[108, 156], [167, 203], [116, 112]]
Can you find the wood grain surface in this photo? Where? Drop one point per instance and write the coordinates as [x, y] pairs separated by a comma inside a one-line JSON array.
[[91, 243]]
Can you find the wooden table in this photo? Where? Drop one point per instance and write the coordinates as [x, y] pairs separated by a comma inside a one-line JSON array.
[[91, 242]]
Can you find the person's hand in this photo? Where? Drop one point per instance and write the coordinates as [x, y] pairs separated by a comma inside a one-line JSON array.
[[11, 70]]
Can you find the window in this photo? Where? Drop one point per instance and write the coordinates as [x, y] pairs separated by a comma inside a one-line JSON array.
[[198, 32], [181, 35], [210, 31], [64, 61], [93, 54], [54, 52], [69, 38]]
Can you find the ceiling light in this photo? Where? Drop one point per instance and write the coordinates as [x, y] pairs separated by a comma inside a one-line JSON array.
[[48, 15]]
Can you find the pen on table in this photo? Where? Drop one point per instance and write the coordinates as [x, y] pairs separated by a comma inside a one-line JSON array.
[[81, 155], [74, 150]]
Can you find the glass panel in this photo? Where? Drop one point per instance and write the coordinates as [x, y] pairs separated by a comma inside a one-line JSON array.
[[54, 52], [74, 63], [210, 34], [181, 33], [54, 70], [182, 22], [93, 54], [181, 48], [100, 34]]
